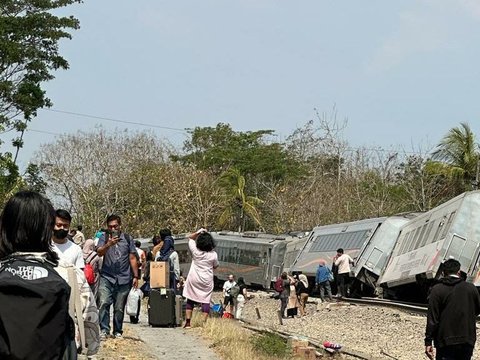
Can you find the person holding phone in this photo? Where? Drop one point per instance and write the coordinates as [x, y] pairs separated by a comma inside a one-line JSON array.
[[120, 263]]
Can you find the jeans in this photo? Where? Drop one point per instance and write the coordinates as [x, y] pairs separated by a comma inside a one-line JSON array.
[[112, 294], [325, 286], [343, 284], [283, 305]]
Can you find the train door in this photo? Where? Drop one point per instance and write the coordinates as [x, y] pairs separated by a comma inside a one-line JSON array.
[[463, 250], [265, 261]]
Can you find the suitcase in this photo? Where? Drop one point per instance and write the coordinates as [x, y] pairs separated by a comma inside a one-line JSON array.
[[179, 308], [292, 312], [161, 307]]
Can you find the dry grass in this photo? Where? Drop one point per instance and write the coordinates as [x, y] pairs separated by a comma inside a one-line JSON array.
[[128, 348], [229, 339]]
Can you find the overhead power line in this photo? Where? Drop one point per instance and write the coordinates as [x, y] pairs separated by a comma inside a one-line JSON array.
[[115, 120]]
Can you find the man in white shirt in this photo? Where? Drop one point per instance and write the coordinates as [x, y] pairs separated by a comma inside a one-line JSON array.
[[65, 249], [342, 262], [79, 238], [227, 298]]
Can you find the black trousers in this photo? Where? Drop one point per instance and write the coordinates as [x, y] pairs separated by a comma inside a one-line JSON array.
[[455, 352], [343, 283]]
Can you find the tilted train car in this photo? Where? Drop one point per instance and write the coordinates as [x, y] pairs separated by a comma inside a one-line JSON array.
[[325, 240], [293, 249], [451, 230], [374, 255]]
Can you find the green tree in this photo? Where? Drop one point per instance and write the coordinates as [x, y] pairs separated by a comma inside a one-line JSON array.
[[29, 54], [220, 148], [239, 207], [459, 150]]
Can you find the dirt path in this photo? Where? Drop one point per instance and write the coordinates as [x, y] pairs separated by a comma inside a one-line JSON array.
[[142, 342]]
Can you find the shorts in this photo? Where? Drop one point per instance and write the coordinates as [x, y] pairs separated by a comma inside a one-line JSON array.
[[191, 304], [228, 300]]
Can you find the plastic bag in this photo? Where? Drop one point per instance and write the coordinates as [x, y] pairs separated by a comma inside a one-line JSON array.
[[133, 299]]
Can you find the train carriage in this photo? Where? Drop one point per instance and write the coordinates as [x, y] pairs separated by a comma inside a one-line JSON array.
[[451, 230], [325, 240]]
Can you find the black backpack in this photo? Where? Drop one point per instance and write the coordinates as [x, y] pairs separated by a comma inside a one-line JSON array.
[[34, 318]]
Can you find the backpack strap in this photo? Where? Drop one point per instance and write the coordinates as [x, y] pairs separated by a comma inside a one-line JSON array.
[[89, 258], [75, 305]]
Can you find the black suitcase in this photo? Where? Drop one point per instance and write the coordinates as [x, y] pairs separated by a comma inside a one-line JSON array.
[[161, 307]]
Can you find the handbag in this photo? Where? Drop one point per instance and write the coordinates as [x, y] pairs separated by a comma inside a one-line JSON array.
[[330, 275], [145, 288]]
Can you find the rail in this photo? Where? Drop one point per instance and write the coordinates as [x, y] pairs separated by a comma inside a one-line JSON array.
[[413, 307]]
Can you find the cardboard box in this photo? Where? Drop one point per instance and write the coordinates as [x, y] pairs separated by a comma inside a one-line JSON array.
[[159, 274], [305, 352]]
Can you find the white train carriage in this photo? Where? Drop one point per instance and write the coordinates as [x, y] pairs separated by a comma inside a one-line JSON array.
[[374, 255], [293, 249], [325, 240], [451, 230]]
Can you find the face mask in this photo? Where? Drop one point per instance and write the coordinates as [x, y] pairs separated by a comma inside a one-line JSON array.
[[60, 234]]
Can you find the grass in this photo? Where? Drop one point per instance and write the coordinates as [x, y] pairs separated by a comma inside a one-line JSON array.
[[233, 342]]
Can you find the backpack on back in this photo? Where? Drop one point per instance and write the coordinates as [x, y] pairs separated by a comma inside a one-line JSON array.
[[234, 291], [31, 290], [278, 286], [88, 269]]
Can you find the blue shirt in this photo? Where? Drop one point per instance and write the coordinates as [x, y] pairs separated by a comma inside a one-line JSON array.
[[116, 261], [322, 274]]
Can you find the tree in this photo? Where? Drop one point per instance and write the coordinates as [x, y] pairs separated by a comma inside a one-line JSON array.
[[459, 150], [29, 54], [220, 148], [238, 205]]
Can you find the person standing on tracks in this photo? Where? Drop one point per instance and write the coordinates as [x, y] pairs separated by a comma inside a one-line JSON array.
[[322, 280], [343, 261], [453, 306]]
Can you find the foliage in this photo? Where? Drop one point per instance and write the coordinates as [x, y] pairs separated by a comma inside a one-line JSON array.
[[220, 148], [459, 150], [29, 54], [238, 206], [270, 344]]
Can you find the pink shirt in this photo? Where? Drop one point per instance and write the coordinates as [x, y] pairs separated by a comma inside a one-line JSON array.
[[199, 283]]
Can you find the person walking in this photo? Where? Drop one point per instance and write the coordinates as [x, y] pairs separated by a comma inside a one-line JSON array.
[[199, 284], [322, 280], [91, 258], [453, 306], [119, 264], [343, 261], [228, 298], [284, 293], [68, 251]]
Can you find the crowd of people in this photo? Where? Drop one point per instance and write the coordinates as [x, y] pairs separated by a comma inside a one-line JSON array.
[[64, 285]]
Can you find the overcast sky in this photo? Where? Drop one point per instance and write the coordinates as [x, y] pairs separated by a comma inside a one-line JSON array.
[[402, 72]]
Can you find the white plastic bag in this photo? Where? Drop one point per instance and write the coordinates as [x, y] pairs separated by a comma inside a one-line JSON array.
[[133, 299]]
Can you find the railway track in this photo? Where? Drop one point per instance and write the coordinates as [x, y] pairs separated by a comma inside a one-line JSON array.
[[412, 307]]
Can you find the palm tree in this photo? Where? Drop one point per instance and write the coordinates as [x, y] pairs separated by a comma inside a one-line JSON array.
[[459, 150], [238, 205]]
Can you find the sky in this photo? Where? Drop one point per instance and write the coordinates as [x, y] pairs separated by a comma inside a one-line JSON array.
[[401, 72]]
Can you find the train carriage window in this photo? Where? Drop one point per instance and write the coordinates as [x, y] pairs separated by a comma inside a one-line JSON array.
[[421, 236], [414, 239], [426, 237], [441, 224], [447, 225], [332, 242], [468, 255], [403, 241]]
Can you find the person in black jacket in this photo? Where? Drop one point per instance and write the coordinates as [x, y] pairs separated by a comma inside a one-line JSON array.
[[452, 309]]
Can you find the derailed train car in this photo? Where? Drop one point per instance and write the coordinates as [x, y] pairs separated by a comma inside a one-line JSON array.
[[451, 230], [369, 242]]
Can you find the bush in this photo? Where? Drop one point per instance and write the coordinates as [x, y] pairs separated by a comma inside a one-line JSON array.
[[270, 344]]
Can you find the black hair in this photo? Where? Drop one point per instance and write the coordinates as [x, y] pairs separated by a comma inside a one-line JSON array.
[[149, 256], [451, 267], [205, 242], [340, 251], [63, 214], [138, 243], [284, 275], [79, 227], [164, 233], [156, 240], [26, 225], [114, 217], [240, 281]]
